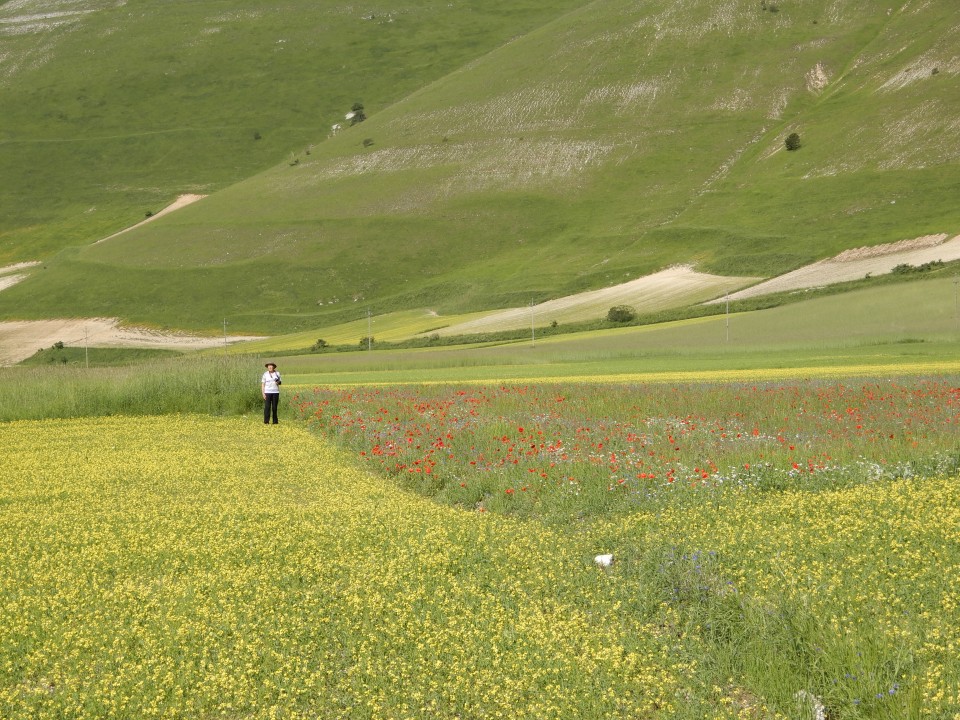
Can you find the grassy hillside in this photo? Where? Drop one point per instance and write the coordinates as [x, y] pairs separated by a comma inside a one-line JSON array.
[[111, 109], [611, 142]]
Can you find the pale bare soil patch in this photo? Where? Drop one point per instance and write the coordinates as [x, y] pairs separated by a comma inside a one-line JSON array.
[[817, 78], [940, 58], [9, 275], [673, 287], [38, 21], [857, 263], [10, 280], [18, 266], [180, 202], [500, 163], [19, 339]]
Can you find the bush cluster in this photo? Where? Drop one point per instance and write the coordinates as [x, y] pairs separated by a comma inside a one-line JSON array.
[[908, 269], [621, 313]]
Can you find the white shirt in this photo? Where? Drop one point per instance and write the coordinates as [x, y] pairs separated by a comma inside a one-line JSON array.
[[269, 382]]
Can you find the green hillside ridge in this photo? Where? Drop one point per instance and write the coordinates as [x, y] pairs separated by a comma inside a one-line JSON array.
[[610, 143], [112, 109]]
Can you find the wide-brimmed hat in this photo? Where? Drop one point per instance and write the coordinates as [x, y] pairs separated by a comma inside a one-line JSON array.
[[269, 364]]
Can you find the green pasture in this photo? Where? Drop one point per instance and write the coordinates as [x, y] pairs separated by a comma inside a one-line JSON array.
[[391, 327], [95, 357], [604, 142], [915, 323], [491, 327], [744, 368], [403, 325], [193, 97], [903, 328]]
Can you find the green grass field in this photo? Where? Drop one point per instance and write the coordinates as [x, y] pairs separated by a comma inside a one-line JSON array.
[[154, 386], [95, 357], [391, 327], [604, 141], [193, 97], [906, 324]]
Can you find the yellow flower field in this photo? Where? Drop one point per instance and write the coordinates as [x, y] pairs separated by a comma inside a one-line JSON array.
[[193, 567], [187, 567], [868, 576]]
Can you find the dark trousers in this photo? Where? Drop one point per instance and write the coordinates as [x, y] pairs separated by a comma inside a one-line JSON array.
[[271, 401]]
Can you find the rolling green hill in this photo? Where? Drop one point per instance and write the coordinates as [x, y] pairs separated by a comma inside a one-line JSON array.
[[608, 140], [112, 108]]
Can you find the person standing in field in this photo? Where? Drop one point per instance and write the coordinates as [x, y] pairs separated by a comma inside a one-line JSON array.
[[270, 387]]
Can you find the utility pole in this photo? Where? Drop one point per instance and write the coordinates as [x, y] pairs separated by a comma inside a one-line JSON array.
[[956, 297], [533, 334], [728, 317], [224, 332], [86, 348], [369, 332]]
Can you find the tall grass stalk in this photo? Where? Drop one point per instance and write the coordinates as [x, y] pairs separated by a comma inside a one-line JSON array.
[[215, 386]]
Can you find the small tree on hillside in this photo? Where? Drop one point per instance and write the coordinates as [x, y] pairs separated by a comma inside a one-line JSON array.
[[792, 142], [356, 114]]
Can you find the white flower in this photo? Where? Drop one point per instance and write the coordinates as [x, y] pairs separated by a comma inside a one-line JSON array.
[[809, 701]]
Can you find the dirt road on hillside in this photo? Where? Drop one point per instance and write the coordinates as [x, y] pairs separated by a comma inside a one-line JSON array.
[[180, 202]]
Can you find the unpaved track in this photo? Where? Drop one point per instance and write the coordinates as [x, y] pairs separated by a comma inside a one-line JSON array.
[[180, 202]]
